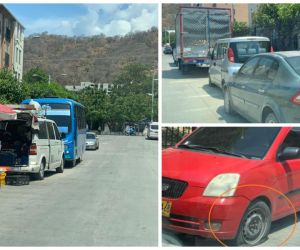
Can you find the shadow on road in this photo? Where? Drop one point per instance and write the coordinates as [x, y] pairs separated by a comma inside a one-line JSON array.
[[214, 91], [192, 72], [230, 118], [283, 223]]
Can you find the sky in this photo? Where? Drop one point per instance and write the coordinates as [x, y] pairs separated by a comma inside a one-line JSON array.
[[85, 19]]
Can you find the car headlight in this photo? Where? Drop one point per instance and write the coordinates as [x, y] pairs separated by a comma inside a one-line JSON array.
[[222, 183]]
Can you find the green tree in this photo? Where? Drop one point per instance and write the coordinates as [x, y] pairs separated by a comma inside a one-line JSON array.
[[240, 29], [11, 90], [35, 75]]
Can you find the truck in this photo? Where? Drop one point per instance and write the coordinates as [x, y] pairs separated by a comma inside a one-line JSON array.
[[196, 30]]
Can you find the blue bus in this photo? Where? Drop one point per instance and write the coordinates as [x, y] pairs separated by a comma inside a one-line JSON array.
[[69, 116]]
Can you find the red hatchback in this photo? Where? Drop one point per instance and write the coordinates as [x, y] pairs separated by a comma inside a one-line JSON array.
[[213, 161]]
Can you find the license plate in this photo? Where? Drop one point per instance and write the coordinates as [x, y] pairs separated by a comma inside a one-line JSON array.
[[166, 208]]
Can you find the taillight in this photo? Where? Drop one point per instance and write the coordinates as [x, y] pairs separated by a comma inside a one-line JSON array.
[[271, 49], [230, 55], [295, 99], [33, 149]]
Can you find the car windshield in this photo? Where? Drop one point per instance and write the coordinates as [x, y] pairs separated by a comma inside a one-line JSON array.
[[294, 62], [244, 50], [246, 142], [154, 127], [90, 136]]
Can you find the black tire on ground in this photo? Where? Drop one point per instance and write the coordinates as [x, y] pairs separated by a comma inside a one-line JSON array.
[[255, 225], [41, 174], [60, 169], [70, 164], [227, 102], [270, 118], [179, 64], [210, 82]]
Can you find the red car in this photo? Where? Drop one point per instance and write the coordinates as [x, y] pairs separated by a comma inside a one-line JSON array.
[[211, 161]]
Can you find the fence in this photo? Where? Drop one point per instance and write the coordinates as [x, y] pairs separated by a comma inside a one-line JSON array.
[[283, 37], [172, 135]]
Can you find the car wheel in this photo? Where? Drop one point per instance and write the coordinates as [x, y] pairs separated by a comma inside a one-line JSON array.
[[255, 225], [227, 102], [71, 164], [210, 82], [60, 169], [271, 118], [179, 64], [41, 174]]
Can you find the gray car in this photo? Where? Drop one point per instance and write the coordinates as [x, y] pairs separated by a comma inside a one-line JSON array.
[[92, 141], [230, 54], [267, 88]]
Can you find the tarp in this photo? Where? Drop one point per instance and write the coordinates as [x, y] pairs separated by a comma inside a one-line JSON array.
[[7, 113]]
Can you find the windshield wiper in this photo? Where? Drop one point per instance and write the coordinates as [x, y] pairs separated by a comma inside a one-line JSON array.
[[217, 150]]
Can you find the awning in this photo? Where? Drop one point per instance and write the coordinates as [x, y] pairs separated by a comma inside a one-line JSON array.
[[7, 113]]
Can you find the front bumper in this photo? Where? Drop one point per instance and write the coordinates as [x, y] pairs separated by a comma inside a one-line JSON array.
[[91, 146], [189, 214]]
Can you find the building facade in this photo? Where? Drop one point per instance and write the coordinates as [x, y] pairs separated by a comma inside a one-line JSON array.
[[11, 43]]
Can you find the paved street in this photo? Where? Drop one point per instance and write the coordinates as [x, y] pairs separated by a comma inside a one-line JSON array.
[[279, 232], [109, 199], [188, 98]]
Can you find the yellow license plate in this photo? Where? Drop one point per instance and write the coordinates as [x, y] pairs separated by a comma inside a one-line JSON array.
[[166, 208]]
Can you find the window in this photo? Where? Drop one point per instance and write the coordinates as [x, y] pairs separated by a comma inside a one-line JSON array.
[[50, 131], [292, 139], [222, 50], [266, 69], [42, 131], [57, 134], [248, 68], [7, 34], [6, 60]]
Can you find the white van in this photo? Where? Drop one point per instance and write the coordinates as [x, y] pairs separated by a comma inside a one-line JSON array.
[[152, 132], [230, 54], [31, 145]]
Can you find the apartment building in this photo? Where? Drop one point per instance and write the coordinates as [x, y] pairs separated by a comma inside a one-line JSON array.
[[11, 42]]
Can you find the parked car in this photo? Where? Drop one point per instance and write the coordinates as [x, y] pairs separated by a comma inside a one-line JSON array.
[[168, 50], [92, 141], [211, 161], [152, 131], [266, 88], [31, 145], [229, 55]]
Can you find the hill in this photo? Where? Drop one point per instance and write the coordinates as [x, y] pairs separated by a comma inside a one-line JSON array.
[[97, 59]]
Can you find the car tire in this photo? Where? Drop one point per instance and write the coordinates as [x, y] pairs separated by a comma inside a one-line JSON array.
[[179, 65], [271, 118], [71, 164], [210, 83], [41, 174], [227, 102], [60, 169], [255, 225]]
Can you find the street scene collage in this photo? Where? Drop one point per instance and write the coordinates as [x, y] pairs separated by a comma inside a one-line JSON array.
[[157, 124]]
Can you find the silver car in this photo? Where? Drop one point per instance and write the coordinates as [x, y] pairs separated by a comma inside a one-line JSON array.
[[229, 55], [92, 141], [267, 88]]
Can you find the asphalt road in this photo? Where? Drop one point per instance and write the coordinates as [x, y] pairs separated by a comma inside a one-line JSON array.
[[189, 99], [109, 199], [280, 231]]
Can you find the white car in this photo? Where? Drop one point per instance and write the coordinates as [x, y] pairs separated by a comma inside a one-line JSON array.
[[152, 132], [31, 145]]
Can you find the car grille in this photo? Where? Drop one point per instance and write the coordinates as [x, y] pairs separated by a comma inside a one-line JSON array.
[[174, 188]]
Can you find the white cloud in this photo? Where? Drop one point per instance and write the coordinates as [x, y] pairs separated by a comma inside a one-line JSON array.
[[109, 19]]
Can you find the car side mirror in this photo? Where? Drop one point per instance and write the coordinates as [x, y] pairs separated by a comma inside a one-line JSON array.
[[289, 153], [63, 135]]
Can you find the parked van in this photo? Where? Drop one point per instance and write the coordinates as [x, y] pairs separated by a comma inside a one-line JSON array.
[[31, 145], [244, 165], [230, 54], [152, 132]]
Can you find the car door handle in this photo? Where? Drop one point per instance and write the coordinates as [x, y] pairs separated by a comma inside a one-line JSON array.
[[243, 86], [261, 91]]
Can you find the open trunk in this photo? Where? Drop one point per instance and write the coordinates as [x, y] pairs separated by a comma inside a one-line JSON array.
[[16, 138]]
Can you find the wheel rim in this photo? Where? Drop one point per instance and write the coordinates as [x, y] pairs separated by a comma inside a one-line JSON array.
[[255, 226]]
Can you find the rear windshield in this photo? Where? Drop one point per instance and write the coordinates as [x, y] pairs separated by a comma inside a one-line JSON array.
[[90, 136], [253, 142], [295, 63], [244, 50], [154, 126]]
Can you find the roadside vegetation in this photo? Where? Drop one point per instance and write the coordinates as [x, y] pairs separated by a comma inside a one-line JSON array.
[[130, 100]]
